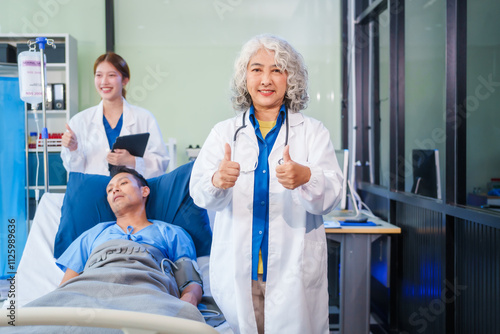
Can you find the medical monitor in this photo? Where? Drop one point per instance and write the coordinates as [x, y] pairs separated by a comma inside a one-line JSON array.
[[348, 206], [426, 173]]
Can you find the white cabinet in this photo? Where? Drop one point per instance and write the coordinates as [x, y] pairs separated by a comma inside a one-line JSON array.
[[62, 68]]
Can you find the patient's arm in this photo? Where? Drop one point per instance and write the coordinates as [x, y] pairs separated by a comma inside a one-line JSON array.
[[188, 278], [192, 294], [69, 274]]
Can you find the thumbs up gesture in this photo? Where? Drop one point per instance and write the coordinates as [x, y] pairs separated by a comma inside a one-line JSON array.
[[291, 174], [228, 171], [69, 139]]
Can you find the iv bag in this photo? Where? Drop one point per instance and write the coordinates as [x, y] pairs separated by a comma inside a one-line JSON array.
[[30, 80]]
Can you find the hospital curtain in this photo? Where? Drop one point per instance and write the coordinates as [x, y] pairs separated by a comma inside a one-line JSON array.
[[13, 229]]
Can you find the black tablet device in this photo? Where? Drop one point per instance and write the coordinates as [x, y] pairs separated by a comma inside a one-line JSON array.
[[134, 144]]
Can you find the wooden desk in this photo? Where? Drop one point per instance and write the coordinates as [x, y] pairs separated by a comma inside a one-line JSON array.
[[355, 271]]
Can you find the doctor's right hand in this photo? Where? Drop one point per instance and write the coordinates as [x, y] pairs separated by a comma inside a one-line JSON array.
[[69, 139], [228, 172]]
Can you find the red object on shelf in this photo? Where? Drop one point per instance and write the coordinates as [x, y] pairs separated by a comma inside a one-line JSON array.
[[54, 140]]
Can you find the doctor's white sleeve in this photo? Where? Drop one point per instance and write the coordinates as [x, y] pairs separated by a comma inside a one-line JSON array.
[[74, 161], [323, 190], [201, 188], [155, 160]]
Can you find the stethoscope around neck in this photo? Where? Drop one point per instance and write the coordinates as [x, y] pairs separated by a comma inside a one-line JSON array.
[[243, 125]]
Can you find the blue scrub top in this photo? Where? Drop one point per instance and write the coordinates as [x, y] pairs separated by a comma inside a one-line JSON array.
[[111, 133], [173, 241]]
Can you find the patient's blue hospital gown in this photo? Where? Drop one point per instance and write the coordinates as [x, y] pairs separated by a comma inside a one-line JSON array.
[[171, 240], [120, 270]]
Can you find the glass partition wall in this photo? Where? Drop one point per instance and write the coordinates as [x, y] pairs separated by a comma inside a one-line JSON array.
[[384, 96], [437, 63], [483, 101], [425, 96], [421, 76]]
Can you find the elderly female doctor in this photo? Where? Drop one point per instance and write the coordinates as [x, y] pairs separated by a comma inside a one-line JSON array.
[[270, 173], [91, 133]]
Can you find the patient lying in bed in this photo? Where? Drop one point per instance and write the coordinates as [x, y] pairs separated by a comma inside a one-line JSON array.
[[132, 264]]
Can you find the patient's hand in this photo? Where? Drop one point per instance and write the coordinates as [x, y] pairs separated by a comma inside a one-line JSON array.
[[69, 274], [192, 294]]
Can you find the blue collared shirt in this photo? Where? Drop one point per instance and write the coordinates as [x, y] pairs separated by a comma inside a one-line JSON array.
[[260, 226]]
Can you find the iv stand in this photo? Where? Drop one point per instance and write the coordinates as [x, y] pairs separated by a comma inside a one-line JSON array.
[[41, 41]]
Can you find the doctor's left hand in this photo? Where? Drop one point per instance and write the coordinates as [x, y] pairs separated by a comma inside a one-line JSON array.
[[121, 157], [291, 174]]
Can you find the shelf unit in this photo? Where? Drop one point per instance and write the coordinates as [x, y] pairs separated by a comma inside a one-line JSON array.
[[65, 71], [8, 70]]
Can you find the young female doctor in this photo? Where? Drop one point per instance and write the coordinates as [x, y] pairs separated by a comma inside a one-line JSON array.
[[270, 173], [91, 133]]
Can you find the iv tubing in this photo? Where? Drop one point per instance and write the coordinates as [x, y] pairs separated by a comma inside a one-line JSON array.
[[41, 41], [37, 190]]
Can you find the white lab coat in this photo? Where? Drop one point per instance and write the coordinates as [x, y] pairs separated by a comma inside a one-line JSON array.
[[93, 146], [296, 299]]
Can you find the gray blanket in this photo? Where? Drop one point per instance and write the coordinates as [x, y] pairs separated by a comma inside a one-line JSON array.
[[121, 275]]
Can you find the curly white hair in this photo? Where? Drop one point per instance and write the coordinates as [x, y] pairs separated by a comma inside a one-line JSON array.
[[287, 59]]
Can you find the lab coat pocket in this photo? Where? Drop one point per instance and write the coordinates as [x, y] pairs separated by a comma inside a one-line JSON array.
[[313, 264]]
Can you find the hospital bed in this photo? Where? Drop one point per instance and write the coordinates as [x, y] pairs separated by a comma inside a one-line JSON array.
[[38, 274]]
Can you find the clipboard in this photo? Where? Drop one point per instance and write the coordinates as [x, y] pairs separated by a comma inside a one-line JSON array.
[[134, 144]]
